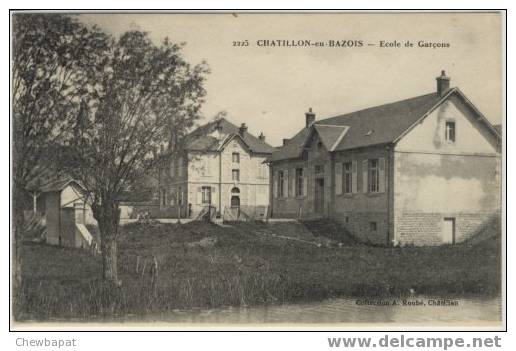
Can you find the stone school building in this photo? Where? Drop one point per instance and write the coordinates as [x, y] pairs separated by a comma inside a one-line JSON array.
[[423, 171], [221, 167]]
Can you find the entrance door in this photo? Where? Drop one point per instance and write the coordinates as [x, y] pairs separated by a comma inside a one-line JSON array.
[[235, 201], [319, 195], [448, 235]]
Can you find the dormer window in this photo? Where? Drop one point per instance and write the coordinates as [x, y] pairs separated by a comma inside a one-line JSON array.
[[450, 131]]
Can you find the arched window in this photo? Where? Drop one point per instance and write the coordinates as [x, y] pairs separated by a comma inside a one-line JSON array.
[[235, 190]]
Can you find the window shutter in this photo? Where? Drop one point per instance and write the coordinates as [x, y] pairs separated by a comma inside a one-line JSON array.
[[172, 168], [364, 175], [305, 181], [381, 175], [293, 182], [275, 185], [199, 195], [285, 183], [212, 194], [338, 178], [172, 196], [354, 177]]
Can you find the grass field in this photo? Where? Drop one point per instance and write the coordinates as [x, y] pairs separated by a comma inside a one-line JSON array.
[[202, 265]]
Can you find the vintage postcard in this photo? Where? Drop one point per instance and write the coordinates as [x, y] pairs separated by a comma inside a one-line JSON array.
[[258, 170]]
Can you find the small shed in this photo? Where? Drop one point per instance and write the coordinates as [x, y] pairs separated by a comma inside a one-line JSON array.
[[62, 204]]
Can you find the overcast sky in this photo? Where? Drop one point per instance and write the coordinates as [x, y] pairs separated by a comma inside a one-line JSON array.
[[271, 88]]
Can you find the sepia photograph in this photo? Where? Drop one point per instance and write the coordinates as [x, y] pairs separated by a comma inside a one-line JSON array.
[[257, 169]]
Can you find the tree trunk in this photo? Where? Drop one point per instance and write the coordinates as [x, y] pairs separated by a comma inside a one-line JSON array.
[[17, 239], [109, 259], [107, 215]]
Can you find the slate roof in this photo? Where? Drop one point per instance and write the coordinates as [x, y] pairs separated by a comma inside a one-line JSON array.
[[372, 126], [201, 140]]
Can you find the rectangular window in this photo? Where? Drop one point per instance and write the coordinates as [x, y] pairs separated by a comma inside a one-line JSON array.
[[173, 196], [348, 177], [264, 171], [179, 196], [235, 175], [450, 131], [172, 167], [180, 167], [319, 169], [206, 195], [374, 176], [373, 226], [299, 182], [236, 157], [281, 183], [163, 196]]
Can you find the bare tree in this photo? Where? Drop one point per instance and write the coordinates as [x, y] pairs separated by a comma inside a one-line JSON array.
[[49, 54], [143, 94]]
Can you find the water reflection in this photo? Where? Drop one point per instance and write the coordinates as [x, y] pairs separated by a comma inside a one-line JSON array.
[[421, 310]]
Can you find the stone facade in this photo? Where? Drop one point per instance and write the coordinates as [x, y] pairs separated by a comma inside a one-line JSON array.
[[233, 176], [363, 211], [421, 228], [295, 198], [437, 181]]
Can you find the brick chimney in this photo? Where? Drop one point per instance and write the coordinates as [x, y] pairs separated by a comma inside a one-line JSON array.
[[243, 129], [261, 137], [218, 129], [285, 141], [443, 83], [310, 117]]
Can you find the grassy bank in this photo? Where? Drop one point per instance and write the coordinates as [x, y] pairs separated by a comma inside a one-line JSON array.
[[201, 265]]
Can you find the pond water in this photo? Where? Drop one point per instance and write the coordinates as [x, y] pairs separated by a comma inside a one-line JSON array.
[[410, 311]]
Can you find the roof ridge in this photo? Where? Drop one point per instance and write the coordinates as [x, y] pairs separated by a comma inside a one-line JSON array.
[[388, 120], [376, 106], [254, 143], [330, 125]]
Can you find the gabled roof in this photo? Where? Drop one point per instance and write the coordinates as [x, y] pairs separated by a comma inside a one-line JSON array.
[[373, 126], [53, 185], [293, 147], [201, 140], [331, 135]]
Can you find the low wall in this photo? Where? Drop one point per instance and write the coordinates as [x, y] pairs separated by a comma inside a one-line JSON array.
[[138, 210]]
